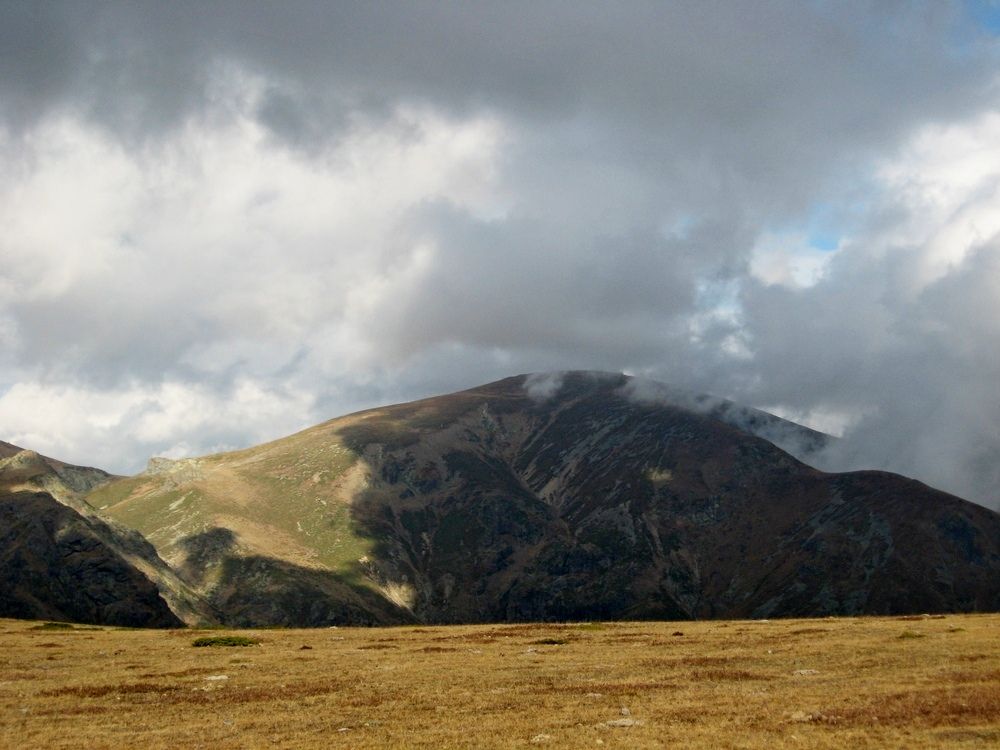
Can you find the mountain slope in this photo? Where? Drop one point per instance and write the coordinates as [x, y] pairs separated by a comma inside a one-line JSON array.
[[578, 496], [80, 566], [57, 566]]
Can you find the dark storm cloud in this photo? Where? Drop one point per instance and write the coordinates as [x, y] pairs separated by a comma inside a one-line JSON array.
[[781, 72], [520, 283]]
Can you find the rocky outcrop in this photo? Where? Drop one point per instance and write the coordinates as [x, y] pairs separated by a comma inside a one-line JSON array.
[[77, 479]]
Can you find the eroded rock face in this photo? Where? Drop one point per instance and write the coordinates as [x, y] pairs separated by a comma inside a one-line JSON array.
[[54, 565]]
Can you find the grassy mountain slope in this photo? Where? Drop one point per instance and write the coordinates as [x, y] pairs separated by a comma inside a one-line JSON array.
[[266, 534]]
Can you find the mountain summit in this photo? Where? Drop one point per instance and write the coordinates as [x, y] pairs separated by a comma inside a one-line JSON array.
[[563, 496]]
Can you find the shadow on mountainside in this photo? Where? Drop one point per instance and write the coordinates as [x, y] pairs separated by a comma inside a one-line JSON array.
[[258, 591], [56, 564], [465, 538]]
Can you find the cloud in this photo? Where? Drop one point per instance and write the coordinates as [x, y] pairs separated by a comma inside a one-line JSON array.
[[541, 386], [789, 259], [214, 238], [902, 330], [115, 428], [790, 205]]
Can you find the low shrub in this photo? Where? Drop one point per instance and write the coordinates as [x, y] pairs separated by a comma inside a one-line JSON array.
[[224, 640]]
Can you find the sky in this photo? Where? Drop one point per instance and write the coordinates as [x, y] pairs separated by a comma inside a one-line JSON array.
[[223, 222]]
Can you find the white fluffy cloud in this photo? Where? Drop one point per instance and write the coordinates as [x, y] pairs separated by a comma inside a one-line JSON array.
[[196, 248], [789, 259], [144, 291], [99, 427]]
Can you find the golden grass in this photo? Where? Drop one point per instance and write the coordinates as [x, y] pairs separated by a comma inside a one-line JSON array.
[[794, 683]]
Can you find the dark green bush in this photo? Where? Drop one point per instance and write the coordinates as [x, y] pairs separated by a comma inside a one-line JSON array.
[[224, 640]]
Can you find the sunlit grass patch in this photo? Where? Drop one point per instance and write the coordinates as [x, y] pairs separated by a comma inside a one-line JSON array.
[[734, 684]]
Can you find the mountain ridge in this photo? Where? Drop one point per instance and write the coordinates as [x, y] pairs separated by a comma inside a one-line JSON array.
[[63, 560], [74, 479]]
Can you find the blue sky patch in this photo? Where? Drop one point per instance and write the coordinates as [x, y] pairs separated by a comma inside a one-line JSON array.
[[986, 13]]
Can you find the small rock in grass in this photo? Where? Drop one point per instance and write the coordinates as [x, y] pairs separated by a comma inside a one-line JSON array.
[[805, 671], [214, 677], [623, 723], [539, 738], [802, 716]]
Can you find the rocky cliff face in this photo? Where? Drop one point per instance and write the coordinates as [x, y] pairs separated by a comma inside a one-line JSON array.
[[576, 496]]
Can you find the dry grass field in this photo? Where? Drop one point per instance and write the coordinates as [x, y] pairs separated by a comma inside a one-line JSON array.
[[865, 682]]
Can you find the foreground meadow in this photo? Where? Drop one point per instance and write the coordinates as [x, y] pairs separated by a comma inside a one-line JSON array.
[[866, 682]]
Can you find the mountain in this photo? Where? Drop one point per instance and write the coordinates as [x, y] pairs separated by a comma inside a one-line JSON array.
[[569, 496], [59, 560]]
